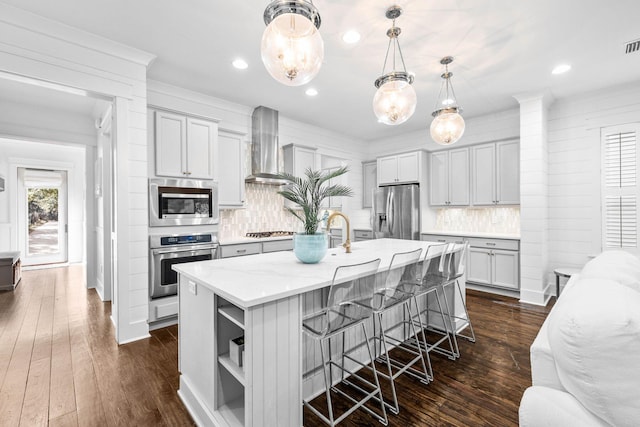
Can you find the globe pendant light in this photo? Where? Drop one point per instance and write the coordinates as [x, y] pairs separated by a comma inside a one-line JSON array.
[[448, 125], [292, 49], [395, 100]]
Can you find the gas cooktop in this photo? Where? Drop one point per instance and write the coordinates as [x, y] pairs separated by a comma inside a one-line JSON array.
[[260, 234]]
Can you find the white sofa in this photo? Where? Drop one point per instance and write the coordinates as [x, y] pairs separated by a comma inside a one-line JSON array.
[[585, 360]]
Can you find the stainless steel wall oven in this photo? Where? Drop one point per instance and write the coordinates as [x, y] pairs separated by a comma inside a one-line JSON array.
[[166, 251], [182, 202]]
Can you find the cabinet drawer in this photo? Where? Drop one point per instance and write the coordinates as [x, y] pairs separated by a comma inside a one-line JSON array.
[[363, 234], [227, 251], [277, 246], [510, 245], [441, 238], [335, 232]]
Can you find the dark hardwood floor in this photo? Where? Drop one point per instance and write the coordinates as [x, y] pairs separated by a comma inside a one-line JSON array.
[[60, 365]]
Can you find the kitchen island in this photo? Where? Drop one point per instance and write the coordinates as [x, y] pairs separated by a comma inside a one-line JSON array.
[[261, 298]]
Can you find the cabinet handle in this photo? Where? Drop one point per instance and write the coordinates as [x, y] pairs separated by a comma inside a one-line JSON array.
[[441, 240], [490, 244], [241, 251]]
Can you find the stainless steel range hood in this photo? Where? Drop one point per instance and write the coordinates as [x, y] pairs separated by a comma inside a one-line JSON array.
[[264, 147]]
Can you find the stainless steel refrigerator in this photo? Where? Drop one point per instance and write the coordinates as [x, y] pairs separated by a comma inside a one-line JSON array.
[[396, 212]]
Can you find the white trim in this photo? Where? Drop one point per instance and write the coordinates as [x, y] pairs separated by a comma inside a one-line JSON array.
[[536, 297]]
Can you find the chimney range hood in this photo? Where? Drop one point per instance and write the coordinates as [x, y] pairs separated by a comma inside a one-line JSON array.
[[264, 147]]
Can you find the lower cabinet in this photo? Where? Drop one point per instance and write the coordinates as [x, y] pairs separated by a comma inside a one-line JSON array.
[[335, 237], [494, 263], [360, 235], [490, 262], [242, 249]]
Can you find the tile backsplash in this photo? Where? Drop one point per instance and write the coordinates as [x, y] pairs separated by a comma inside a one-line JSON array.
[[490, 220], [264, 211]]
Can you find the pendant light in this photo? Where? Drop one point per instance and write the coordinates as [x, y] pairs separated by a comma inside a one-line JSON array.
[[395, 100], [292, 49], [448, 125]]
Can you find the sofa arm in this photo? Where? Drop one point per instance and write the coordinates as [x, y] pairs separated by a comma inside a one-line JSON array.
[[544, 406]]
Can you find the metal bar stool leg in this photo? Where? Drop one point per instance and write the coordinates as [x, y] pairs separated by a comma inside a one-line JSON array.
[[382, 419]]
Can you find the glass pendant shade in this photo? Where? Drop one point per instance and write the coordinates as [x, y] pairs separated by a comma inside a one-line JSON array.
[[394, 102], [292, 49], [447, 127], [395, 99]]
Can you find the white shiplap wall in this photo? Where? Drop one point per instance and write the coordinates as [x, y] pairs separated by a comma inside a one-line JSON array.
[[42, 49], [574, 125]]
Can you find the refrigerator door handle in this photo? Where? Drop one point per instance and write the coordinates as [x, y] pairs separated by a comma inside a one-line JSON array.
[[390, 213]]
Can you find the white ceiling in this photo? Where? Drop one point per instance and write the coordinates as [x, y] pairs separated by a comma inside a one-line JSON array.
[[501, 48]]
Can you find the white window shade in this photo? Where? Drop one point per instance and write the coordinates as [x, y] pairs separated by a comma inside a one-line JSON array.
[[619, 187], [621, 221], [620, 160]]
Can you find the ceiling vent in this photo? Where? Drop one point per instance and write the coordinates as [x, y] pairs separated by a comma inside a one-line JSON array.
[[632, 46]]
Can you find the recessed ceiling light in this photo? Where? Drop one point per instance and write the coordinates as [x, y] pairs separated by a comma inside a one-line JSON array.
[[240, 64], [351, 37], [561, 69], [311, 92]]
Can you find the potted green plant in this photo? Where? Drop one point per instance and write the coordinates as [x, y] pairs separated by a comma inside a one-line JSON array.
[[308, 193]]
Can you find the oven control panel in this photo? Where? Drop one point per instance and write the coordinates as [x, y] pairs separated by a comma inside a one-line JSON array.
[[182, 239]]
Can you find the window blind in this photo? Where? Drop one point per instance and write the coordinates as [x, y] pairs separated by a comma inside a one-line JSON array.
[[620, 189]]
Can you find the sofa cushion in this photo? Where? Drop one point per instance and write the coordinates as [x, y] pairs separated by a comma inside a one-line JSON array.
[[543, 364], [595, 339], [619, 266], [542, 406]]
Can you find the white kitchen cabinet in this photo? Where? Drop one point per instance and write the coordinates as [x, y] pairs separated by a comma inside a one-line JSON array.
[[495, 174], [360, 235], [185, 146], [399, 169], [297, 159], [441, 238], [449, 178], [494, 263], [252, 248], [334, 203], [231, 169], [369, 183], [508, 173]]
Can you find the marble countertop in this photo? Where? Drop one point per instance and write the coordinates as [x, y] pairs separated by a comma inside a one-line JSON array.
[[481, 234], [257, 279]]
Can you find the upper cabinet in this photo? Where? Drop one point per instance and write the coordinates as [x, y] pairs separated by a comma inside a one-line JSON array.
[[495, 174], [298, 158], [369, 182], [449, 177], [399, 169], [184, 146], [231, 150]]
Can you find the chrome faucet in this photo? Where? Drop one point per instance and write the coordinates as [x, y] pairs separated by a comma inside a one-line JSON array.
[[347, 243]]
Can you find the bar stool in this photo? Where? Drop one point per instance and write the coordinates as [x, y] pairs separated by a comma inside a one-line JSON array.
[[349, 304], [431, 276], [396, 289], [455, 270]]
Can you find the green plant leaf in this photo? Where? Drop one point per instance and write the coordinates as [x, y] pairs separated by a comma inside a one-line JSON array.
[[309, 193]]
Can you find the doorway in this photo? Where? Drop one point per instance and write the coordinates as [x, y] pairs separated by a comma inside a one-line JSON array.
[[42, 216]]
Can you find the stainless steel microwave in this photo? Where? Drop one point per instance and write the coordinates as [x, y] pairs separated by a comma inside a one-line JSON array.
[[182, 202]]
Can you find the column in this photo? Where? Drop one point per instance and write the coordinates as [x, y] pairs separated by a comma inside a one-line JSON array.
[[533, 197]]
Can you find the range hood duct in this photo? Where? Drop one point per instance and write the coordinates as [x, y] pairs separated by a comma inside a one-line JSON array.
[[264, 147]]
